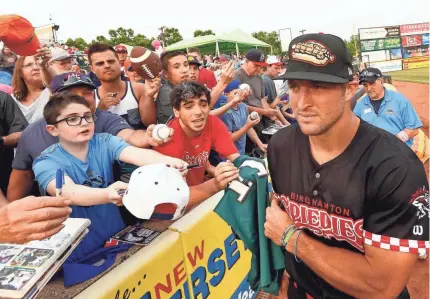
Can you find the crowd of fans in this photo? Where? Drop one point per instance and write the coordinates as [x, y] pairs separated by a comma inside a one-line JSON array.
[[51, 108]]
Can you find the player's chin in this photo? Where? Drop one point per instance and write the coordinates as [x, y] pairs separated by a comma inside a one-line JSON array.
[[311, 129]]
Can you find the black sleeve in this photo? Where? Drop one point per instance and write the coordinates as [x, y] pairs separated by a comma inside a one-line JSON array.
[[396, 214], [12, 118]]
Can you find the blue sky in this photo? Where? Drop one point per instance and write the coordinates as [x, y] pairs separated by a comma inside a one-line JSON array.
[[91, 18]]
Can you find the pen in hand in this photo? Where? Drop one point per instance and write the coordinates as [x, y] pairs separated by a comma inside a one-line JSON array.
[[59, 181]]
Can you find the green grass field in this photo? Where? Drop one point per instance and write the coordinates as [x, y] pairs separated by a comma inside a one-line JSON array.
[[414, 75]]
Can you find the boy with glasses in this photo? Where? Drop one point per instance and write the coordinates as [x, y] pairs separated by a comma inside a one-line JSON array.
[[87, 161]]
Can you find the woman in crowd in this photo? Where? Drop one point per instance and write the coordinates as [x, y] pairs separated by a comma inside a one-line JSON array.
[[28, 90]]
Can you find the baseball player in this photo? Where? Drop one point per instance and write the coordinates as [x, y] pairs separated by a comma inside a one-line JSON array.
[[350, 203]]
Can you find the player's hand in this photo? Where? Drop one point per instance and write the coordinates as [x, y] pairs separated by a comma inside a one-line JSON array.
[[152, 86], [225, 172], [179, 165], [276, 221], [108, 100], [33, 218], [227, 73], [43, 55], [154, 142], [250, 123], [112, 192]]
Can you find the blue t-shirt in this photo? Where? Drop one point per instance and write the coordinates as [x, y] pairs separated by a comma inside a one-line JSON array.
[[395, 114], [235, 119], [221, 102], [96, 172], [35, 139]]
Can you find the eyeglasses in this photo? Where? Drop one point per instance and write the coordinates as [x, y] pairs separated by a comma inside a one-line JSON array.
[[77, 120]]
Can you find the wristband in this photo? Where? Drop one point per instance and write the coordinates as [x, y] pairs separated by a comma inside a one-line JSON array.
[[295, 247], [403, 136], [288, 233]]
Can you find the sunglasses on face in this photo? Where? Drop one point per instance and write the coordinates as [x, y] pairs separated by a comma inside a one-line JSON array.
[[121, 52], [77, 120]]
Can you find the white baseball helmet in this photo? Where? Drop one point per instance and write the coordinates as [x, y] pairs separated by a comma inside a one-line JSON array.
[[157, 192]]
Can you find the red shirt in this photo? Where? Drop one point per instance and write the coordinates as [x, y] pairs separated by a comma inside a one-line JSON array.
[[207, 78], [196, 150]]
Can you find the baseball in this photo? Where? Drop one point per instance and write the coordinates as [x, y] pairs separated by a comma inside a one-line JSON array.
[[244, 86], [254, 115], [161, 132]]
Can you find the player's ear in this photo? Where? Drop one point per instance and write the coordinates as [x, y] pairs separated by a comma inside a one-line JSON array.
[[52, 129], [350, 90]]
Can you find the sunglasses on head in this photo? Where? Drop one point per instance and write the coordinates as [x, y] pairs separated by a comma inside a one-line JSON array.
[[367, 74], [74, 79]]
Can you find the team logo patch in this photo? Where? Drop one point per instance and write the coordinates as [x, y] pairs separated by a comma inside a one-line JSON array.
[[312, 52], [420, 200]]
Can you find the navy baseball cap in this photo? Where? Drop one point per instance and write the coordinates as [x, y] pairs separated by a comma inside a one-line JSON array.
[[319, 57], [370, 74], [67, 80], [257, 56]]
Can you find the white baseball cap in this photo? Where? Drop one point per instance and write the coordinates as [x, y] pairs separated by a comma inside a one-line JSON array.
[[58, 54], [156, 192], [273, 60]]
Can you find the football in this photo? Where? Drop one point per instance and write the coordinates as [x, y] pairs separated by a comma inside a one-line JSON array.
[[145, 62]]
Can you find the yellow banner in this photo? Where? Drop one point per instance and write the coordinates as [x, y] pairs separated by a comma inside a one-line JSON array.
[[415, 64], [154, 272], [216, 262]]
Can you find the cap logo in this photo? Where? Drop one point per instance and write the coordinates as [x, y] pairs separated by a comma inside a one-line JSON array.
[[312, 52], [262, 58]]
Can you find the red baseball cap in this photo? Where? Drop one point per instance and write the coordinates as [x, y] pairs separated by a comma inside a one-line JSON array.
[[120, 48], [18, 35]]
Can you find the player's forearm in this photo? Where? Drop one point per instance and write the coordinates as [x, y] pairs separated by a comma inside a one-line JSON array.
[[141, 156], [20, 184], [12, 139], [239, 133], [147, 110], [200, 193], [347, 271]]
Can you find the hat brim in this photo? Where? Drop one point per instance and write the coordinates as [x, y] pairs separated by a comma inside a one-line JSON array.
[[27, 48], [63, 88], [312, 76], [259, 63], [370, 80], [195, 63], [62, 57]]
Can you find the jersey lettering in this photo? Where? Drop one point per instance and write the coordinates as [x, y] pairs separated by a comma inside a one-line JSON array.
[[322, 223]]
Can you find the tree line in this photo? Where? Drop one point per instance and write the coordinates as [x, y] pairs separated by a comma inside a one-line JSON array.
[[172, 35]]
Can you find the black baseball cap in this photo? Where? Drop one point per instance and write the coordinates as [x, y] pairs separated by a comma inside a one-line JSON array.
[[370, 74], [67, 80], [193, 60], [319, 57], [257, 56]]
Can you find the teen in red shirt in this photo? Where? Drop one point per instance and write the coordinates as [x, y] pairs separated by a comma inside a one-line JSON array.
[[196, 132]]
